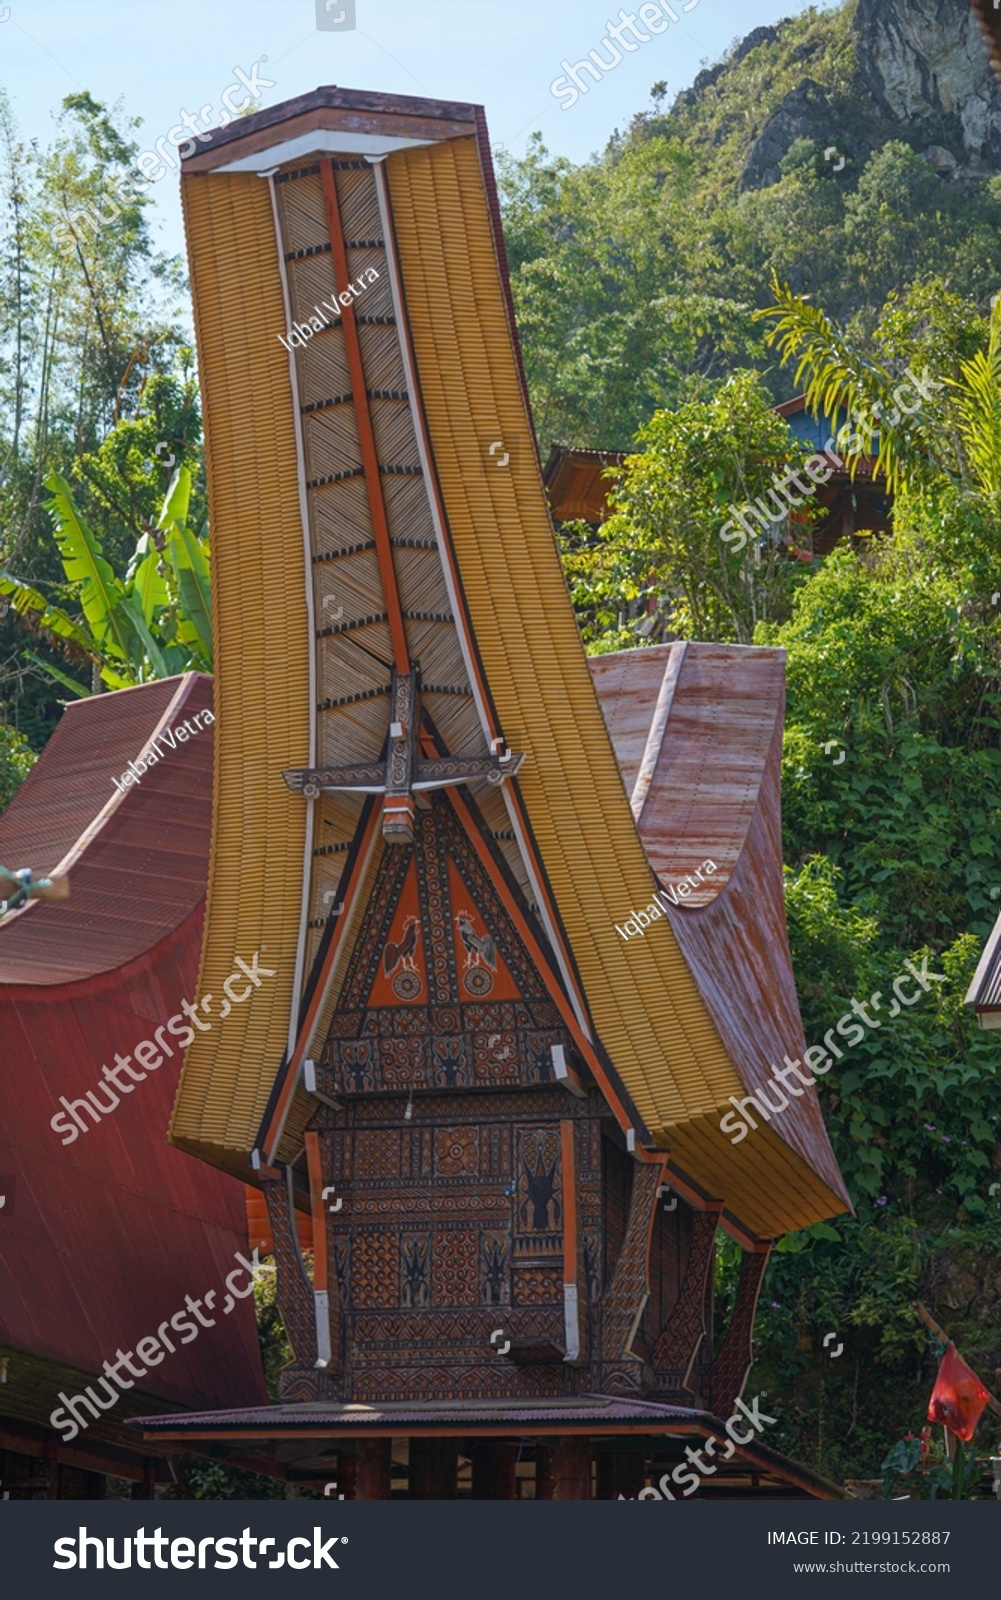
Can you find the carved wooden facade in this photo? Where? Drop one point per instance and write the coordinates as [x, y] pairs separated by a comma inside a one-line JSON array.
[[485, 1233]]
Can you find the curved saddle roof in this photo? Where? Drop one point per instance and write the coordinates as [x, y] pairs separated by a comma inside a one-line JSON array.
[[107, 1230], [135, 858], [697, 731], [376, 496]]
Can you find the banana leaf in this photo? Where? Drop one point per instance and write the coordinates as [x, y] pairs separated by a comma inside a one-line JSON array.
[[143, 580], [51, 619], [153, 651], [175, 505], [83, 562], [79, 689], [191, 566]]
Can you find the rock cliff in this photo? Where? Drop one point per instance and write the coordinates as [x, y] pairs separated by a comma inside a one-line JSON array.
[[923, 74]]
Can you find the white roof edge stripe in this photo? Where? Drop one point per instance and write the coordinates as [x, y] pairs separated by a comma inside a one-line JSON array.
[[321, 141]]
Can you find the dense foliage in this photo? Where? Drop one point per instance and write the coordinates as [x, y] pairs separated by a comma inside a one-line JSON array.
[[650, 285], [96, 377], [894, 652], [659, 558], [636, 274]]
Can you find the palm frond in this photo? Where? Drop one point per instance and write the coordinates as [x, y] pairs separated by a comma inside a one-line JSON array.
[[978, 408], [841, 381]]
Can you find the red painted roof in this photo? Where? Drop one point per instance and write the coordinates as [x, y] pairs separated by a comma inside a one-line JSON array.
[[104, 1237], [137, 860]]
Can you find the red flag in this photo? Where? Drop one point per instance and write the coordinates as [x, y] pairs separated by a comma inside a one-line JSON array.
[[958, 1398]]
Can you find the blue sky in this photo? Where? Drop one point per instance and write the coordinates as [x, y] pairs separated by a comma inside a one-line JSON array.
[[160, 58]]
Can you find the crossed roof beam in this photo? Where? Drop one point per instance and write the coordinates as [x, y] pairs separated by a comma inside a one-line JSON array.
[[403, 773]]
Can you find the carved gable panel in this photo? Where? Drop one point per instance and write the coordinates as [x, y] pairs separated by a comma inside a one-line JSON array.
[[440, 992]]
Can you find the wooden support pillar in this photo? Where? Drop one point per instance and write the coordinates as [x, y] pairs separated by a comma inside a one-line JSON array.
[[50, 1469], [571, 1468], [734, 1356], [372, 1469], [493, 1469], [619, 1472], [543, 1472], [146, 1490], [347, 1475], [434, 1469]]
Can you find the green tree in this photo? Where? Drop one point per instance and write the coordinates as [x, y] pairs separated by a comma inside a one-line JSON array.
[[660, 555], [16, 760], [89, 342], [893, 852], [153, 623]]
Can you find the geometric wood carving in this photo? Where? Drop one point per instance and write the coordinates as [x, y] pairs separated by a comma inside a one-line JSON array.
[[679, 1345], [622, 1307], [733, 1362], [473, 1192], [292, 1288]]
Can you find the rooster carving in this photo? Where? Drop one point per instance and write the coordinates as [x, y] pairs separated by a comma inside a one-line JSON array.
[[479, 947], [20, 887], [402, 954]]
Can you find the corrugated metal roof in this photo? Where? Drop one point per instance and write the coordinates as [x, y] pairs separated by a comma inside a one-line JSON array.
[[136, 860], [697, 729], [589, 1415], [410, 1415], [105, 1236]]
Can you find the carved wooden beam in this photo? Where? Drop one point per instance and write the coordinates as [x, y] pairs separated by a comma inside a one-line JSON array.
[[403, 773], [733, 1363], [372, 777], [623, 1304], [680, 1343], [293, 1290]]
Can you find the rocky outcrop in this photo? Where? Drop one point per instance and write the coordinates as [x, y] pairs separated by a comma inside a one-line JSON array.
[[709, 75], [926, 59], [805, 113], [751, 41], [924, 76]]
